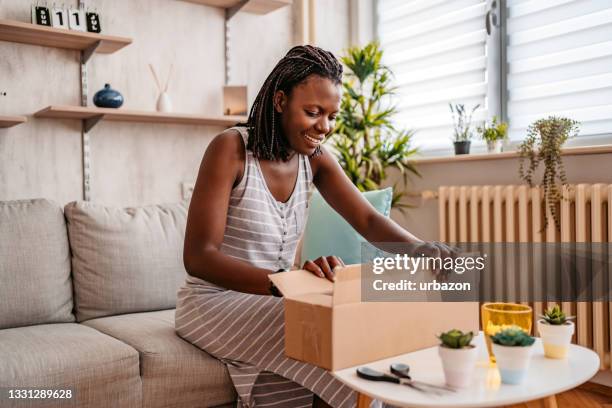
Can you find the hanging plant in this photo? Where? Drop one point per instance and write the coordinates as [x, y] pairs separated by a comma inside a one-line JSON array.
[[543, 143]]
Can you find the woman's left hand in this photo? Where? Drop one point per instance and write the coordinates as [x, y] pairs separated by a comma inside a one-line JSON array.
[[323, 266]]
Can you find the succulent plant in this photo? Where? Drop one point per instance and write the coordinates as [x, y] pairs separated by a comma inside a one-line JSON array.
[[513, 337], [456, 339], [555, 316]]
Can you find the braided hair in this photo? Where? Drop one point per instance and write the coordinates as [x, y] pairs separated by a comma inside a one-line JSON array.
[[266, 138]]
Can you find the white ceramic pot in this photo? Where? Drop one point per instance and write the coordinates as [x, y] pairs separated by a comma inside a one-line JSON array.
[[458, 365], [512, 362], [556, 338], [164, 104], [494, 146]]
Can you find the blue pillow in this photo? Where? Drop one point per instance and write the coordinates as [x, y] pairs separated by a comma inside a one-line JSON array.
[[327, 233]]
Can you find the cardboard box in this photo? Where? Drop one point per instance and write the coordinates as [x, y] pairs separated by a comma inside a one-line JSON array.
[[327, 324]]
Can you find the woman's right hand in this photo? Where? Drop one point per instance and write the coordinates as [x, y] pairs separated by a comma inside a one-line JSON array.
[[323, 266]]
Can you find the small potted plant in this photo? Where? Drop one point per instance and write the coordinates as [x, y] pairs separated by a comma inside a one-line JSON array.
[[458, 357], [512, 348], [494, 134], [462, 122], [556, 332]]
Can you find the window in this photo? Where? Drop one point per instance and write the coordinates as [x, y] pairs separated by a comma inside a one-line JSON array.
[[556, 55]]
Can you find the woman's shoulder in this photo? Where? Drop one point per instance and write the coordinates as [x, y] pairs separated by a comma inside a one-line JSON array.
[[229, 143]]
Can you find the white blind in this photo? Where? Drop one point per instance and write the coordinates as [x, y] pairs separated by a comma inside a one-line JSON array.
[[560, 63], [437, 51]]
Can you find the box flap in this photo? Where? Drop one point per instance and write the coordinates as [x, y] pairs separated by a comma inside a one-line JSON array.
[[299, 282], [347, 285]]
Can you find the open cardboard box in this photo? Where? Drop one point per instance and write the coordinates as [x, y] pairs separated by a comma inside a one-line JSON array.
[[327, 324]]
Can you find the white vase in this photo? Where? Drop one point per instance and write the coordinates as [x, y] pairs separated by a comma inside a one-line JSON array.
[[458, 365], [512, 362], [556, 338], [164, 104], [494, 146]]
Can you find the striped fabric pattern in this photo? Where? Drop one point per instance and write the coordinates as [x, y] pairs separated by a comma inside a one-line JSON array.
[[246, 331]]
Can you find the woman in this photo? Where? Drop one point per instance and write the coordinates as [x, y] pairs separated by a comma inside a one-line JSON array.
[[246, 217]]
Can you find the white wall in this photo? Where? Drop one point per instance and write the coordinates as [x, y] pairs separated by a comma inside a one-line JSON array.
[[133, 163]]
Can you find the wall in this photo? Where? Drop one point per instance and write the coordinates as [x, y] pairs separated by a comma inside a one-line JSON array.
[[132, 163]]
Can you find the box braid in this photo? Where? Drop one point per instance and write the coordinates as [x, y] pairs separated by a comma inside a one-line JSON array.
[[266, 138]]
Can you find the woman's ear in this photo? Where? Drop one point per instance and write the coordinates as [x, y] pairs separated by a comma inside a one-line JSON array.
[[280, 101]]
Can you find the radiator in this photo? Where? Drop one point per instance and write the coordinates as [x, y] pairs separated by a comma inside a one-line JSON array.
[[508, 213]]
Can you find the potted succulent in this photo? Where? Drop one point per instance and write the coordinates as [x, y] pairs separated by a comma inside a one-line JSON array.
[[494, 134], [556, 332], [458, 357], [512, 348], [462, 127]]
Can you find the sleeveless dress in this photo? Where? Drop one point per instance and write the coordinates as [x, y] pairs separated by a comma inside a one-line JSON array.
[[246, 331]]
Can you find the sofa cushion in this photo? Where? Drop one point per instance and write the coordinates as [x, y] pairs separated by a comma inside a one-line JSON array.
[[327, 233], [125, 260], [35, 284], [99, 370], [174, 372]]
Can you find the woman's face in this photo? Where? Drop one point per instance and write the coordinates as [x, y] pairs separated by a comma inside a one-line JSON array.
[[308, 112]]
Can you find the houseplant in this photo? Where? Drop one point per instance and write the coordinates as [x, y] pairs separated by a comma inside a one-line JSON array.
[[364, 140], [462, 121], [543, 143], [494, 134], [512, 348], [458, 357], [556, 332]]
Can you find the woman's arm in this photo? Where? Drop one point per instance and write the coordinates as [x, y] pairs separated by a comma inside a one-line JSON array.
[[221, 167], [346, 199]]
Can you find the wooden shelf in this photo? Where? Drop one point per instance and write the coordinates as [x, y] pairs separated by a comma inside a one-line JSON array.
[[10, 121], [26, 33], [252, 6], [92, 115]]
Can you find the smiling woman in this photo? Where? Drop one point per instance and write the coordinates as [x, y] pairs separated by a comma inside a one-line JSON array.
[[246, 216]]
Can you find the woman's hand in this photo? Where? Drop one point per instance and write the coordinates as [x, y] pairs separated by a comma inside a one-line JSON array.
[[323, 266], [436, 250]]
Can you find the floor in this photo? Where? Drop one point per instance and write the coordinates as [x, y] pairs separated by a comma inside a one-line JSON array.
[[589, 395]]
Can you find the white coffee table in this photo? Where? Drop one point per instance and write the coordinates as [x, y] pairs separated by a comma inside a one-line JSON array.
[[546, 377]]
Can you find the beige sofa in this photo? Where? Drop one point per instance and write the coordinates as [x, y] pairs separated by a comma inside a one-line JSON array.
[[87, 299]]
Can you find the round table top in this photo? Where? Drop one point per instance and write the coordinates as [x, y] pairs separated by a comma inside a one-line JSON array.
[[545, 377]]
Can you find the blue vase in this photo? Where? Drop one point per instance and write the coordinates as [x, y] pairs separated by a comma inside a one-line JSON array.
[[108, 98]]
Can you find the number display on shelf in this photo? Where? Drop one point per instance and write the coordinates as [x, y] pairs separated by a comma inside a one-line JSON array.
[[76, 19], [73, 18], [41, 15], [93, 22], [59, 17]]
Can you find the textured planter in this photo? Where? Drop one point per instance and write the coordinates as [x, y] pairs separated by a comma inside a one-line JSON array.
[[458, 365], [556, 338], [512, 362], [462, 147], [494, 146]]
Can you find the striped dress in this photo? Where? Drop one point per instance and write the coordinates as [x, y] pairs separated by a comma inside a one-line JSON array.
[[246, 331]]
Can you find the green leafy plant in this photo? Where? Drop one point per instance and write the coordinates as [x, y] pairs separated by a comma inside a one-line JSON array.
[[555, 316], [364, 140], [513, 336], [543, 143], [456, 339], [462, 121], [493, 132]]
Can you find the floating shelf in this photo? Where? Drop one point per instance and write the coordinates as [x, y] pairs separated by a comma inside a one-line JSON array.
[[252, 6], [92, 115], [10, 121], [26, 33]]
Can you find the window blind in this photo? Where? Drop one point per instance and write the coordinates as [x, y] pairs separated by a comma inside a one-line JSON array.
[[437, 52], [560, 63]]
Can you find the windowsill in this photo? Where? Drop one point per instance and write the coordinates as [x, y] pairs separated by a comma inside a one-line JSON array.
[[568, 151]]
